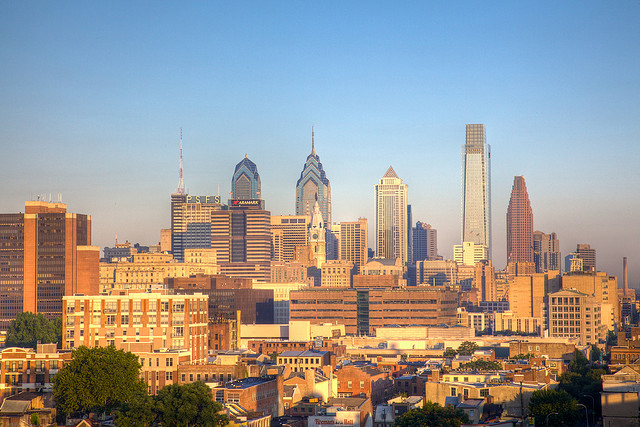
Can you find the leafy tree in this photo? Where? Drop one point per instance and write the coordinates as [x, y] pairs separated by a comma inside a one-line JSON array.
[[137, 412], [583, 378], [188, 405], [450, 352], [545, 402], [522, 356], [482, 365], [432, 415], [29, 328], [467, 348], [96, 380]]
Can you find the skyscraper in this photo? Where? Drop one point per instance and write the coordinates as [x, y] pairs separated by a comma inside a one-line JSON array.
[[45, 254], [476, 187], [546, 252], [313, 185], [519, 224], [191, 222], [425, 242], [242, 238], [245, 184], [587, 255], [353, 242], [391, 217]]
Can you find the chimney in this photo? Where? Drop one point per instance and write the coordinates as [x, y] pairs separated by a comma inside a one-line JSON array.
[[624, 276]]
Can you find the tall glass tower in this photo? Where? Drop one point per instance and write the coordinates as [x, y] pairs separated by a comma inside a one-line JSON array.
[[476, 187], [313, 185], [245, 184], [391, 217]]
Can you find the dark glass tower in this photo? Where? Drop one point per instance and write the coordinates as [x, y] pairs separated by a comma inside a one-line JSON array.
[[313, 185], [245, 184]]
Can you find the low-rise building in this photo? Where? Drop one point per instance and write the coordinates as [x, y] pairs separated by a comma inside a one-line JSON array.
[[253, 394], [300, 361], [364, 381]]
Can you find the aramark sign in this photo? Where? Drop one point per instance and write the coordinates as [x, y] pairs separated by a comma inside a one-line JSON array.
[[203, 199]]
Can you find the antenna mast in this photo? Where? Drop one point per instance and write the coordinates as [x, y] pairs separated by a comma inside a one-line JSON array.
[[180, 189]]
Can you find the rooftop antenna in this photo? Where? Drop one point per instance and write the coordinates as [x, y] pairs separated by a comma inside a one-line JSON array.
[[180, 189], [313, 141]]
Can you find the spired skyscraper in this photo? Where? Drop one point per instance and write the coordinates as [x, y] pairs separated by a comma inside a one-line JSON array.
[[476, 187], [313, 185], [519, 224], [391, 217], [245, 184]]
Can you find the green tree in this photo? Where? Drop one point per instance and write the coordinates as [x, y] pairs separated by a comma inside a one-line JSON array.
[[545, 402], [96, 380], [450, 352], [137, 412], [482, 365], [467, 348], [432, 415], [188, 405], [583, 378], [523, 356], [29, 328]]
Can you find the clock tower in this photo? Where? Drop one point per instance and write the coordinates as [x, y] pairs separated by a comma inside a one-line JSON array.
[[317, 237]]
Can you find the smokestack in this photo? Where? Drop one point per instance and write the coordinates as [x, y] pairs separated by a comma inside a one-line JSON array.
[[624, 275]]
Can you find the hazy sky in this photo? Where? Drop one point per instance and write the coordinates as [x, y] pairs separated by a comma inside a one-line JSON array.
[[93, 96]]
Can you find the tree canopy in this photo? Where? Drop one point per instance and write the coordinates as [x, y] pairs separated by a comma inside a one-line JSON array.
[[29, 328], [564, 408], [188, 405], [96, 380], [482, 365], [432, 415], [581, 379], [467, 348]]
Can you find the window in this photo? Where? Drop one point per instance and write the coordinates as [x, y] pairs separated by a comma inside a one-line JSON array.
[[361, 384], [484, 392], [454, 391], [350, 384], [169, 376], [168, 361]]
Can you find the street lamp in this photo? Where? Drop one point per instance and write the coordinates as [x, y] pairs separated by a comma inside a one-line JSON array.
[[550, 413], [586, 415], [593, 412]]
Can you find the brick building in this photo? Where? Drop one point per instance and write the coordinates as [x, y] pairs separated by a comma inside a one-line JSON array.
[[364, 381], [262, 395], [362, 311]]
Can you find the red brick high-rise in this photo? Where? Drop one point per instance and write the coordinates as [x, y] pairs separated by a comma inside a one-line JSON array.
[[45, 254], [519, 224]]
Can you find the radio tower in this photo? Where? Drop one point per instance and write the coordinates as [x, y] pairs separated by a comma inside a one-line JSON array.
[[180, 189]]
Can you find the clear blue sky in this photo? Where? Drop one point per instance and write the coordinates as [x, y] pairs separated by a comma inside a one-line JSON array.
[[93, 95]]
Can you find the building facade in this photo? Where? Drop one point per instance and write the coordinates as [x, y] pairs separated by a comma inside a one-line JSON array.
[[476, 187], [287, 233], [425, 242], [573, 314], [241, 237], [546, 252], [45, 254], [191, 222], [245, 184], [469, 253], [353, 242], [313, 185], [391, 217], [519, 224], [588, 256]]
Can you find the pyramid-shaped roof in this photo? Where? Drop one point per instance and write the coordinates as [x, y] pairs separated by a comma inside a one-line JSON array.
[[390, 173]]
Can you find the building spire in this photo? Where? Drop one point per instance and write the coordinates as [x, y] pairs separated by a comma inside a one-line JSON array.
[[180, 189], [313, 142]]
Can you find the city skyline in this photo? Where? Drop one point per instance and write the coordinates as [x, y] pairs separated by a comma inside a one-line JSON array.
[[94, 99]]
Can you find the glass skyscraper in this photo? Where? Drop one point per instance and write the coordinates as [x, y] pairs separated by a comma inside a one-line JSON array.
[[391, 217], [476, 187], [245, 184], [313, 185]]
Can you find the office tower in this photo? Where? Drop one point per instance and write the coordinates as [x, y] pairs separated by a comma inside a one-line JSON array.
[[485, 281], [410, 259], [332, 241], [469, 253], [546, 252], [45, 254], [605, 290], [191, 222], [287, 233], [391, 217], [587, 255], [573, 263], [519, 224], [313, 185], [425, 242], [353, 242], [476, 188], [242, 238], [245, 184], [317, 232]]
